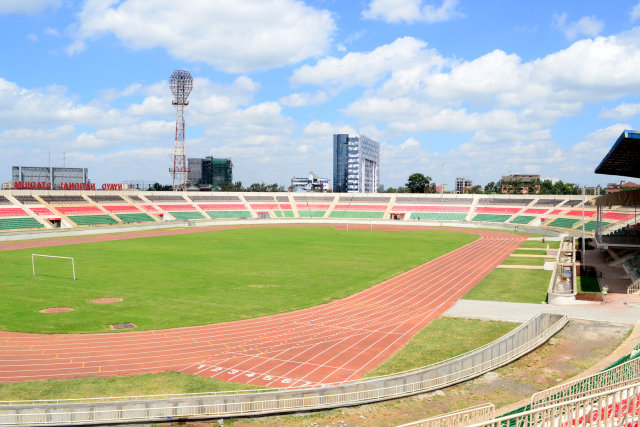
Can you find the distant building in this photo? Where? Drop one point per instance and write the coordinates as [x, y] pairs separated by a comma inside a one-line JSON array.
[[614, 187], [508, 182], [444, 188], [56, 178], [310, 183], [356, 164], [209, 173], [462, 184]]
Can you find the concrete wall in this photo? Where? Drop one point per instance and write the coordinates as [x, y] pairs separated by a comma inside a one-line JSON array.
[[518, 342]]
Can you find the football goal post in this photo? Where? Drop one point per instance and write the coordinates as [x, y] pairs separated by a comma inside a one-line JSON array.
[[35, 256]]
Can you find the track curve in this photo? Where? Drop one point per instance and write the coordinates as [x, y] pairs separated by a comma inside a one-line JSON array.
[[327, 344]]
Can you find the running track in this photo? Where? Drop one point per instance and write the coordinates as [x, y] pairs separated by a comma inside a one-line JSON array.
[[331, 343]]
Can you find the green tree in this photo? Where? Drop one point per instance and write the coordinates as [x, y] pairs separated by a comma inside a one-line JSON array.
[[546, 187], [159, 187], [490, 188], [417, 183], [476, 189]]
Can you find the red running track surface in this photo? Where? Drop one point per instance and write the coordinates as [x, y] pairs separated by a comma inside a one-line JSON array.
[[331, 343]]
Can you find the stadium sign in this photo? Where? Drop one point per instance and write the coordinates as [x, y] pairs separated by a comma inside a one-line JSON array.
[[23, 185], [112, 186]]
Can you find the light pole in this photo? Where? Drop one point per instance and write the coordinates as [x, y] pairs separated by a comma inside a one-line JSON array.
[[584, 243]]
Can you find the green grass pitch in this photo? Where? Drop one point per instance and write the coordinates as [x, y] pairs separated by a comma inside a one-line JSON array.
[[208, 277]]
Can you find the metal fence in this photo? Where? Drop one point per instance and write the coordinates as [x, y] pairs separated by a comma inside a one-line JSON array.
[[510, 347], [463, 418]]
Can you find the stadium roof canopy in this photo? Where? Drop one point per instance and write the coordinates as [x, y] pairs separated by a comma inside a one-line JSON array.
[[624, 157], [623, 198]]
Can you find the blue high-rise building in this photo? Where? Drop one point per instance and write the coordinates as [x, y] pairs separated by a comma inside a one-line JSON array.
[[356, 164]]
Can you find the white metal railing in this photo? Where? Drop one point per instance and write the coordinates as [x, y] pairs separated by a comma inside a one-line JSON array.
[[615, 377], [274, 402], [613, 408], [633, 293], [463, 418]]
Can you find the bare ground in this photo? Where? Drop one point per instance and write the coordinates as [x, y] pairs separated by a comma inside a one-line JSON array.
[[577, 347]]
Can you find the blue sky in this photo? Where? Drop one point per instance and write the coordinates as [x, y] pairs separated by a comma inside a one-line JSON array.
[[485, 88]]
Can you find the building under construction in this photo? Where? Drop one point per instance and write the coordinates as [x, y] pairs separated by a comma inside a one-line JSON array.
[[209, 173]]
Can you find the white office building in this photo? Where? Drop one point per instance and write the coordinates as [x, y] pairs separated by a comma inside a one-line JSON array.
[[310, 183], [356, 164], [462, 183]]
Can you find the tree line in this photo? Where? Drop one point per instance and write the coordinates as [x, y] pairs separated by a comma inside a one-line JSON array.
[[231, 186]]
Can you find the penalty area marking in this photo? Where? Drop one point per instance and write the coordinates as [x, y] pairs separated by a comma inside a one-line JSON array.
[[33, 265]]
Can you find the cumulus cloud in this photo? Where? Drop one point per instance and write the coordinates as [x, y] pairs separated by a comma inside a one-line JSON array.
[[587, 25], [622, 111], [304, 99], [27, 7], [411, 11], [634, 14], [232, 36]]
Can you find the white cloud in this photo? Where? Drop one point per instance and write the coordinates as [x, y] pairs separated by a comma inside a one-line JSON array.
[[327, 130], [634, 14], [304, 99], [32, 37], [411, 11], [233, 36], [622, 111], [51, 32], [27, 7], [587, 25]]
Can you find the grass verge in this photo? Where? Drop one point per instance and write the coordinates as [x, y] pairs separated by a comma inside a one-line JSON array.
[[526, 252], [440, 340], [131, 385], [534, 244], [512, 285], [588, 285], [208, 277], [526, 261]]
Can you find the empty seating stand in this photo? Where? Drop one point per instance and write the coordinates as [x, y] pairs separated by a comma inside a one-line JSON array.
[[509, 202], [41, 211], [79, 210], [579, 213], [593, 225], [268, 199], [522, 219], [5, 201], [19, 223], [572, 203], [548, 202], [483, 217], [136, 199], [438, 216], [135, 217], [284, 213], [356, 214], [496, 210], [107, 199], [434, 200], [229, 214], [12, 212], [26, 200], [563, 222], [186, 215], [184, 207], [92, 219], [156, 199], [121, 209], [64, 200], [201, 199], [430, 208], [311, 214]]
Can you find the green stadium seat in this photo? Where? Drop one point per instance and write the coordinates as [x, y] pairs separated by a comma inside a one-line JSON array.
[[19, 223], [311, 214], [283, 214], [187, 215], [135, 217], [490, 218], [438, 216], [229, 214], [593, 225], [563, 222], [288, 214], [522, 219], [356, 214], [92, 219], [278, 214]]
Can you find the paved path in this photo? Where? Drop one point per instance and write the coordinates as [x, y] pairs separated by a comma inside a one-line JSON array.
[[616, 312], [331, 343]]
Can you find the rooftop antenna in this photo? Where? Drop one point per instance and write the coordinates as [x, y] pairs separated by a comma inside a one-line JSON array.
[[181, 84], [64, 159]]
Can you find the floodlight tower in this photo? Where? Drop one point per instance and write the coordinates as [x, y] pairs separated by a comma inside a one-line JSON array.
[[181, 84]]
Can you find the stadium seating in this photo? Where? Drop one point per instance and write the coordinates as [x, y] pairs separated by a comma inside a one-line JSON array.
[[185, 207], [555, 212], [563, 222], [483, 217], [26, 200], [19, 223], [284, 199], [311, 214], [285, 206], [5, 201], [572, 203], [64, 200], [187, 215], [149, 208], [360, 208], [229, 214], [522, 219], [356, 214], [122, 209], [12, 212], [438, 216], [107, 199], [430, 208], [263, 206], [509, 211], [579, 213], [313, 200], [200, 199], [548, 202], [617, 216], [495, 201], [536, 211], [225, 207], [136, 199], [135, 217], [593, 225], [79, 210], [360, 199], [156, 199], [92, 219], [259, 199], [435, 200], [41, 210]]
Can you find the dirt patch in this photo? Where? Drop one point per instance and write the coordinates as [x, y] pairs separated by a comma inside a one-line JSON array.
[[574, 349], [105, 300], [56, 310], [589, 297]]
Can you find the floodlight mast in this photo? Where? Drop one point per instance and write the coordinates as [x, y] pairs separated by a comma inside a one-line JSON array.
[[181, 84]]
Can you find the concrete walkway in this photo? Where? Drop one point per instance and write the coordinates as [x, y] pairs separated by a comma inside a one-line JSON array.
[[518, 312]]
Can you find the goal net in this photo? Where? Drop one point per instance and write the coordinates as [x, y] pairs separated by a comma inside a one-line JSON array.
[[53, 266]]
